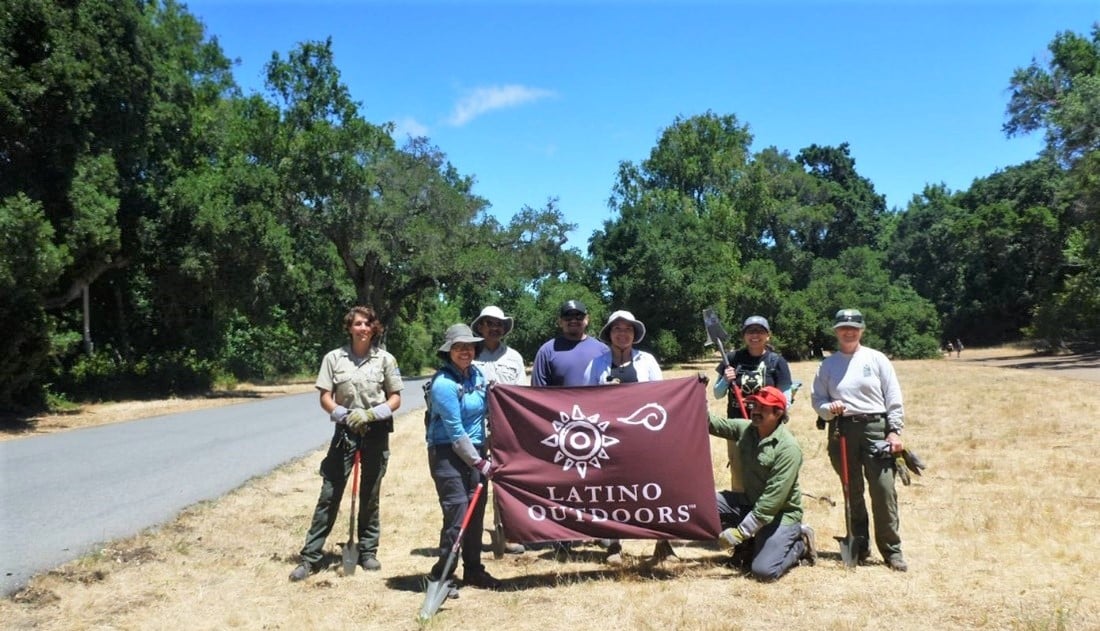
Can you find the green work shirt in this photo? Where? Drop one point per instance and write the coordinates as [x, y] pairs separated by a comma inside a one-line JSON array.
[[769, 468], [362, 386]]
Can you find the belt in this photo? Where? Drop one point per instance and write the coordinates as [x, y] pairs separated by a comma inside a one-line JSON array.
[[865, 418]]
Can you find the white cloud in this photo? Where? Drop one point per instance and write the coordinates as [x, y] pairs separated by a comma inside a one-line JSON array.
[[482, 100], [410, 127]]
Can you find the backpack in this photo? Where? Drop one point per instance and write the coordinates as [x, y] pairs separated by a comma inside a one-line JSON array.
[[428, 397]]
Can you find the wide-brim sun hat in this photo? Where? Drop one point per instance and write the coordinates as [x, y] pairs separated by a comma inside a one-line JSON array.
[[849, 317], [493, 311], [626, 316], [456, 334]]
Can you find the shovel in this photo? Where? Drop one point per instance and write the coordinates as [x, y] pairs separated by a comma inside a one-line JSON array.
[[438, 590], [351, 548], [849, 552], [715, 333]]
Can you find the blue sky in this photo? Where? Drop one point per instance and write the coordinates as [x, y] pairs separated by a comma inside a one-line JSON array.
[[545, 99]]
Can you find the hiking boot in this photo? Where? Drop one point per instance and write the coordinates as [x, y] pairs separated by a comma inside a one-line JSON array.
[[663, 551], [897, 564], [809, 542], [370, 564], [481, 578], [300, 573]]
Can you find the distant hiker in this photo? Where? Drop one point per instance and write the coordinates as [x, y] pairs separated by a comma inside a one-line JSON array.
[[458, 453], [950, 349], [857, 390], [360, 386], [958, 347], [623, 363], [767, 515]]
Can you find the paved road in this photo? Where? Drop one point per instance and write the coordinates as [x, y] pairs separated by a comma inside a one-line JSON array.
[[62, 494]]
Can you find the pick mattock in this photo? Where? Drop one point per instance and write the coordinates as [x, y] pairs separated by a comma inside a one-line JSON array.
[[351, 548], [438, 590], [717, 334]]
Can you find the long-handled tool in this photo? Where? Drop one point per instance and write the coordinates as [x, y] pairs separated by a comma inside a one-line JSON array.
[[848, 545], [351, 548], [716, 334], [438, 590]]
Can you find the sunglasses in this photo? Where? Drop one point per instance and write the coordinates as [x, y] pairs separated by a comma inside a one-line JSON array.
[[573, 316]]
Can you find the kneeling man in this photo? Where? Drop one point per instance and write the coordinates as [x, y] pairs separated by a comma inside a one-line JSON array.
[[768, 515]]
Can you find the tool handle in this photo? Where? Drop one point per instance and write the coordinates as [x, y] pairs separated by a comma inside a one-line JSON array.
[[355, 477]]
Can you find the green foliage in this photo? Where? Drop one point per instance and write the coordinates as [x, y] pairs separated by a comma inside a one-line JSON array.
[[106, 375], [30, 262], [266, 350]]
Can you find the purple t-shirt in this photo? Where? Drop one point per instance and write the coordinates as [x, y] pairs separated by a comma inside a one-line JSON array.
[[562, 362]]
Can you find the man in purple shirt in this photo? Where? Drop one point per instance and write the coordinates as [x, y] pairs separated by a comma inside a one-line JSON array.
[[562, 360]]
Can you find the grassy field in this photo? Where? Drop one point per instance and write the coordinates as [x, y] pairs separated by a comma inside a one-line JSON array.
[[1000, 533]]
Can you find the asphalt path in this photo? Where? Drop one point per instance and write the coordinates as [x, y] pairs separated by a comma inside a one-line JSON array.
[[63, 495]]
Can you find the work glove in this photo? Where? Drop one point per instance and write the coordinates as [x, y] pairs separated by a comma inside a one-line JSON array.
[[703, 377], [485, 467], [377, 413], [881, 449], [730, 538], [901, 472], [913, 462], [338, 414], [356, 420]]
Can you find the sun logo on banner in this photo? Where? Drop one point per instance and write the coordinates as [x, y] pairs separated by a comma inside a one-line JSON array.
[[580, 441]]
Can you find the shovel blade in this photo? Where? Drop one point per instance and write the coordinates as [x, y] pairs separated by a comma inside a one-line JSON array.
[[433, 599], [351, 558], [715, 332], [849, 551]]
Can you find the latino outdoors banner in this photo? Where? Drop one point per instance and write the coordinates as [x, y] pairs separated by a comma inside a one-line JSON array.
[[628, 461]]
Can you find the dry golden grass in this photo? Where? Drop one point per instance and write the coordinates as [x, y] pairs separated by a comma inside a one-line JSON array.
[[999, 534]]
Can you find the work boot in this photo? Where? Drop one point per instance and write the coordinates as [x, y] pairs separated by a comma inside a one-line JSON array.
[[898, 564], [300, 573], [663, 551], [809, 555], [480, 578], [370, 564]]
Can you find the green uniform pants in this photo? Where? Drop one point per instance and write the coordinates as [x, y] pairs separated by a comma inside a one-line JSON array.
[[335, 470], [879, 474]]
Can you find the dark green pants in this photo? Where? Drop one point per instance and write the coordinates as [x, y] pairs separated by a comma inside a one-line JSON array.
[[335, 471], [879, 474]]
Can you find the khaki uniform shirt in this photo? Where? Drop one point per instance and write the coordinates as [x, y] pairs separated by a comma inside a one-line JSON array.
[[359, 386]]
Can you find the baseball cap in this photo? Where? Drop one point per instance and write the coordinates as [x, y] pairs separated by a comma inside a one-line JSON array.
[[770, 396], [848, 317], [572, 305], [756, 321]]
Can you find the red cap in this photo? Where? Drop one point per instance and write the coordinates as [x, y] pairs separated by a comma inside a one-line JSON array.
[[770, 396]]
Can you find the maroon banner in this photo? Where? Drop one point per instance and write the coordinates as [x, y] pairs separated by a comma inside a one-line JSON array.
[[629, 461]]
